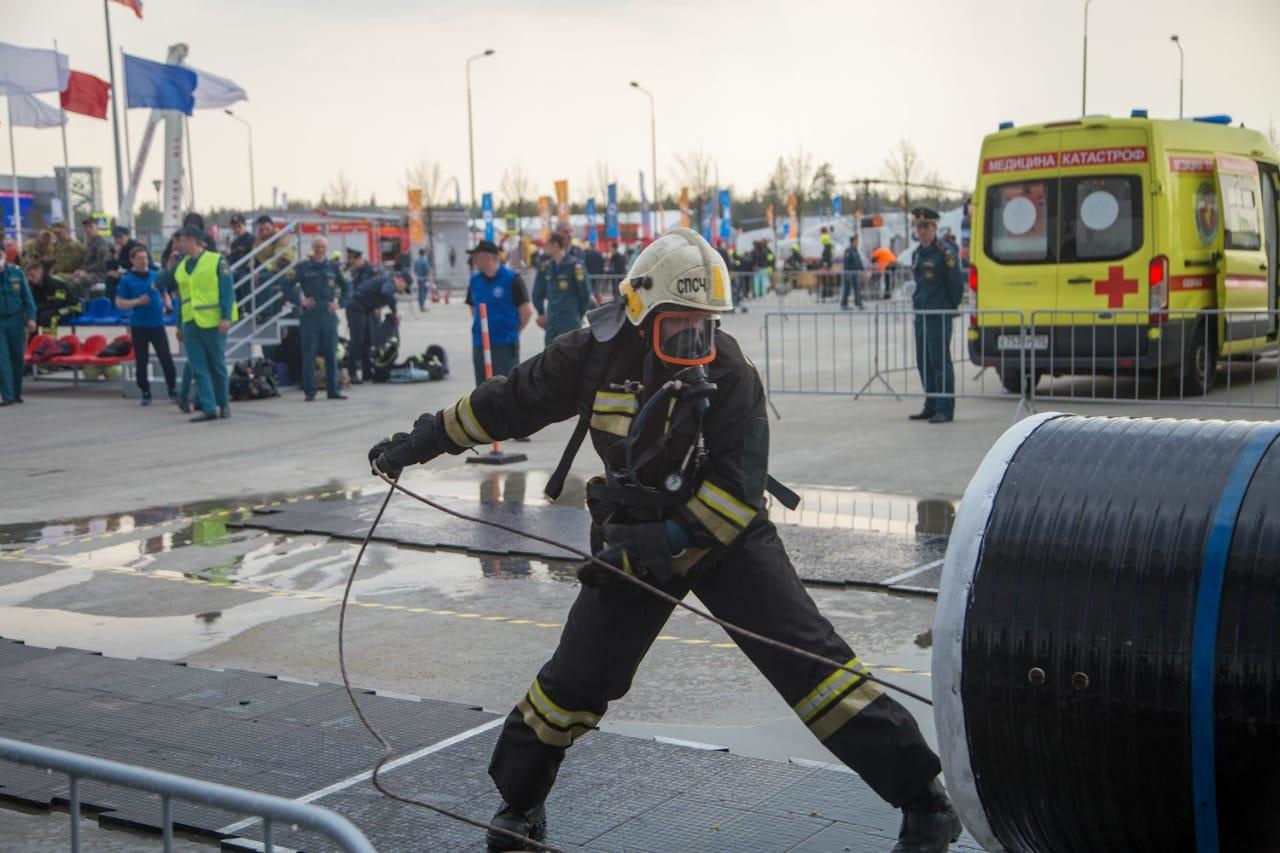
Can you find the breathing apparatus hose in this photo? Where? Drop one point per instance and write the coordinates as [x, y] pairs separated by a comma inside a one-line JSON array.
[[388, 751]]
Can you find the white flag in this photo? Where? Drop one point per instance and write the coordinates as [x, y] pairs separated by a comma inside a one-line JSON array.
[[214, 92], [24, 70], [30, 111]]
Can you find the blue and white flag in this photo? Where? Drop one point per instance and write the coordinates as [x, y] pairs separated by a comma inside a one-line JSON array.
[[726, 215], [486, 205], [836, 204], [644, 211], [591, 221], [159, 86], [215, 93], [708, 210], [611, 214]]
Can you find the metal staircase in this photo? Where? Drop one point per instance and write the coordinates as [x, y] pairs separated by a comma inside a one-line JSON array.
[[262, 277]]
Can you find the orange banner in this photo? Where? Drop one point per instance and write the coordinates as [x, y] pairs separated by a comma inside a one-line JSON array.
[[794, 231], [684, 207], [417, 234], [544, 213], [562, 200], [768, 215]]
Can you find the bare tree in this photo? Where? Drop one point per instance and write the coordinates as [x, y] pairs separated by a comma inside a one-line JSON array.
[[602, 175], [800, 177], [902, 168], [340, 193], [516, 188], [429, 178], [823, 186], [696, 170]]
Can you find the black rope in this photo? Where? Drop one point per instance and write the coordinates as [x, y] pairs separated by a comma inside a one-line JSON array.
[[387, 750]]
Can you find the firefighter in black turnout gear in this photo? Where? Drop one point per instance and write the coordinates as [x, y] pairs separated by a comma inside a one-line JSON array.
[[677, 414]]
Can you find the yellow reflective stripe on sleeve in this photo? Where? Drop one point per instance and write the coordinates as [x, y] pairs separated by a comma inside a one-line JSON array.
[[725, 504], [845, 710], [612, 401], [557, 715], [715, 524], [467, 417], [453, 427], [612, 424], [827, 690]]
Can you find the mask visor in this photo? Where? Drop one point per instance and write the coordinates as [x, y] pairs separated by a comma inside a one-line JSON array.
[[684, 338]]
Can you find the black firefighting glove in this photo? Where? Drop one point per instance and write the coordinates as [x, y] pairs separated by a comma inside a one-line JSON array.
[[397, 452], [637, 549]]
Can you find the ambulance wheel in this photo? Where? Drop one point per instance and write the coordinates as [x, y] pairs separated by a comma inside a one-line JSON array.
[[1011, 379], [1199, 369]]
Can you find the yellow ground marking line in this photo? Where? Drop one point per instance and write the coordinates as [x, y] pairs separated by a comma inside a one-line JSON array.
[[307, 595], [179, 519]]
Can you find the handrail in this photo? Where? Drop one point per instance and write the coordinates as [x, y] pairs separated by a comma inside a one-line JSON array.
[[170, 786], [288, 230]]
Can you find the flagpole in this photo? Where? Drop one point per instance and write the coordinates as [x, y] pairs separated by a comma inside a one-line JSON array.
[[191, 163], [13, 167], [128, 152], [66, 157], [115, 115]]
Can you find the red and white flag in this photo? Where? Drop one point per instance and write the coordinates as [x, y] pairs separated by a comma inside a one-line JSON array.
[[86, 95], [135, 5]]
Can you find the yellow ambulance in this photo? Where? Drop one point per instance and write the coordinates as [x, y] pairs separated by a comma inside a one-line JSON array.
[[1098, 231]]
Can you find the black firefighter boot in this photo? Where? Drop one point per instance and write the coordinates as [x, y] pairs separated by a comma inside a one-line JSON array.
[[531, 823], [929, 822]]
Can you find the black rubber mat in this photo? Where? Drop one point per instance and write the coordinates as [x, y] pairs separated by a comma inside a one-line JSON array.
[[615, 793], [828, 556]]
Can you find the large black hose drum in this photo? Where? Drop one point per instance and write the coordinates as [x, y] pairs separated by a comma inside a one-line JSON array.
[[1107, 640]]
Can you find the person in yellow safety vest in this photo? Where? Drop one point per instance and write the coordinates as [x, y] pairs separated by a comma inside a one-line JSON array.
[[205, 286]]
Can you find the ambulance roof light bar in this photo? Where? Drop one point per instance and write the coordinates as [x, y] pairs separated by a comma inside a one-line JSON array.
[[1216, 119], [1005, 125], [1138, 113]]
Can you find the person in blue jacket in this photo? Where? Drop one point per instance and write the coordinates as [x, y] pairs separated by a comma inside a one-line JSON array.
[[506, 301], [137, 293]]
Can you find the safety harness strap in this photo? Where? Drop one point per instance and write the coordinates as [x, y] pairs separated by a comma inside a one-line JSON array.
[[597, 359]]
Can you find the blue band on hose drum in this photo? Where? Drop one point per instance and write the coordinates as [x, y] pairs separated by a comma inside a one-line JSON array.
[[1205, 636]]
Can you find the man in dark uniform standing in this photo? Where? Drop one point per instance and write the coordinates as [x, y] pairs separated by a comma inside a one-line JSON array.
[[938, 291], [677, 413], [17, 320], [561, 294], [853, 267], [370, 293], [321, 290]]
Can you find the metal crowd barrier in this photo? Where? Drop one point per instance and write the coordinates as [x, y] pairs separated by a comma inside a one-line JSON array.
[[1219, 358], [171, 787], [1210, 358], [880, 352]]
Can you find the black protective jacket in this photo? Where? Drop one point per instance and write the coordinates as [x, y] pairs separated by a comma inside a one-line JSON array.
[[728, 492]]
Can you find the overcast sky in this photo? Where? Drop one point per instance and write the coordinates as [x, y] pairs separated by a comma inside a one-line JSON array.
[[369, 88]]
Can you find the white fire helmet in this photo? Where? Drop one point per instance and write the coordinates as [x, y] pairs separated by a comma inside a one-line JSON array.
[[679, 271]]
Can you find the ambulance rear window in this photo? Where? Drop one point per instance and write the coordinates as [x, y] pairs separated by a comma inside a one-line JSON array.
[[1239, 197], [1101, 217], [1020, 222]]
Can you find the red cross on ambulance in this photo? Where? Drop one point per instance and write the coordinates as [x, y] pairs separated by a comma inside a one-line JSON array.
[[1115, 286]]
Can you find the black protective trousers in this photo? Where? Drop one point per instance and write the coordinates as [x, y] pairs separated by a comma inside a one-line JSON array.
[[753, 585]]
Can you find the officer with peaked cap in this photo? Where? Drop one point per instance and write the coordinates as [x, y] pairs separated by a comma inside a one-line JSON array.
[[938, 292], [677, 414]]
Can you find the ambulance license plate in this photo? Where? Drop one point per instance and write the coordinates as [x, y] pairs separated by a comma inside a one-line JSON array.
[[1019, 342]]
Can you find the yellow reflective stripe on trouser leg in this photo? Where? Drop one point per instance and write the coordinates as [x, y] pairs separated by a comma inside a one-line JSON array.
[[552, 724], [725, 504], [716, 525], [837, 699], [849, 706], [454, 429]]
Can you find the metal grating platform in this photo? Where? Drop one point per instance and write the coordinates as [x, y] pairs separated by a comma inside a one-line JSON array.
[[295, 740], [827, 556]]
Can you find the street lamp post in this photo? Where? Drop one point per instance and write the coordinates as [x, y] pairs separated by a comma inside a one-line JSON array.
[[1174, 38], [471, 141], [1084, 73], [253, 198], [653, 150]]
